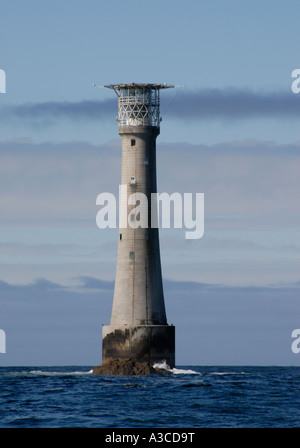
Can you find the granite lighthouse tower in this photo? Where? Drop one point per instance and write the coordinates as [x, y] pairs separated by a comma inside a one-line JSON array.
[[138, 328]]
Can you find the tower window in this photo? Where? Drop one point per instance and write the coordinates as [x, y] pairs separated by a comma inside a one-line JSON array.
[[133, 142], [131, 255], [120, 236]]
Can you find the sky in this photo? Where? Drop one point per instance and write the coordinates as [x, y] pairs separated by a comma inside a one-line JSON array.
[[229, 130]]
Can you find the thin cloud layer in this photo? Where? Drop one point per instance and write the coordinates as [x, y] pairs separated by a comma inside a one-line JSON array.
[[63, 180], [51, 111], [232, 103], [209, 104]]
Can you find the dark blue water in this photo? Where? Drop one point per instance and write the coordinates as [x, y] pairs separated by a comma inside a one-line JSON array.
[[190, 397]]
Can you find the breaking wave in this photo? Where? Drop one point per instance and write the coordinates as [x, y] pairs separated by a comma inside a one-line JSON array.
[[164, 366], [229, 373], [57, 373]]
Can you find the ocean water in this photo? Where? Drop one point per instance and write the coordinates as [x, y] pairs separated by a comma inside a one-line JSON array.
[[189, 397]]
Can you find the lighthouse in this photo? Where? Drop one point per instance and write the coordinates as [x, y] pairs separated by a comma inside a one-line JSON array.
[[138, 328]]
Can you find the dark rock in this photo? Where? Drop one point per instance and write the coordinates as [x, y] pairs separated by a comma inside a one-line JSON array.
[[126, 367]]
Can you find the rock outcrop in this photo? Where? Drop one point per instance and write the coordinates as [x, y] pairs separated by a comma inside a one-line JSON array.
[[127, 367]]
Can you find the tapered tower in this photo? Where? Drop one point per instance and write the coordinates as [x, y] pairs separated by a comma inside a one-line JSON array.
[[138, 328]]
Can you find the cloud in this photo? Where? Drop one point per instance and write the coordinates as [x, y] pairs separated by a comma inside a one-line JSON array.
[[63, 180], [233, 103], [95, 283], [38, 285], [49, 112], [209, 104], [49, 179]]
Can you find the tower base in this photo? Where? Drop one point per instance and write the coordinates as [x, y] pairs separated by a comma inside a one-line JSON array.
[[142, 343]]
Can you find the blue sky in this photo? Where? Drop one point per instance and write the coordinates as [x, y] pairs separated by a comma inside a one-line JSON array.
[[231, 132]]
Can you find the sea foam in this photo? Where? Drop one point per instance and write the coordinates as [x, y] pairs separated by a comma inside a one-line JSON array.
[[163, 365]]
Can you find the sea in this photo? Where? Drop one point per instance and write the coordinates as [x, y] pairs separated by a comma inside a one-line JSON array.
[[186, 397]]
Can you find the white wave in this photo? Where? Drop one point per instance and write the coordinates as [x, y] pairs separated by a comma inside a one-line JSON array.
[[185, 371], [57, 373], [164, 366], [228, 373]]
